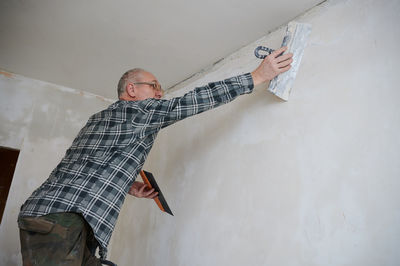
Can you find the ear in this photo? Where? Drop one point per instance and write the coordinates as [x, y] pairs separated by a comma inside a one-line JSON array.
[[130, 90]]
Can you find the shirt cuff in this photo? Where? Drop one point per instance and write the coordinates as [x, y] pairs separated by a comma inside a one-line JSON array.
[[247, 82]]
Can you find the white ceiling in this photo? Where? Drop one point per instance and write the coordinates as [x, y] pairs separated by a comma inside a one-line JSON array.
[[87, 45]]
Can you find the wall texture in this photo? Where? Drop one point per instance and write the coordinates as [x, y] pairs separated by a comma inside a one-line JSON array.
[[41, 120], [312, 181]]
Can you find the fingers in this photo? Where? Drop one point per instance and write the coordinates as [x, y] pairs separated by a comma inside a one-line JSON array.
[[142, 188], [284, 69], [284, 63], [284, 57], [277, 52], [149, 193], [144, 191], [153, 195]]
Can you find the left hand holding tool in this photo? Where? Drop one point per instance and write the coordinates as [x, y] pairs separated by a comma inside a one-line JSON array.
[[142, 190]]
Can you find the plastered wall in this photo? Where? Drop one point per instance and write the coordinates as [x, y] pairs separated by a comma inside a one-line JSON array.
[[41, 120], [312, 181]]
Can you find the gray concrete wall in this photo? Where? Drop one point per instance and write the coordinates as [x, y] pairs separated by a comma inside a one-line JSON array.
[[41, 120], [312, 181]]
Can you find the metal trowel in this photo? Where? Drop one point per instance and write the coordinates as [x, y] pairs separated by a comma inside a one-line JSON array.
[[296, 40]]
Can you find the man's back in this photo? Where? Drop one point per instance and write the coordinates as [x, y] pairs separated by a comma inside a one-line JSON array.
[[97, 170]]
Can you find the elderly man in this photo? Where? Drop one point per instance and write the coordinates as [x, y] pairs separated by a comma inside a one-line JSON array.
[[76, 208]]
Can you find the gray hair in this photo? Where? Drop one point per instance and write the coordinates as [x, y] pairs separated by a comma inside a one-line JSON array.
[[130, 75]]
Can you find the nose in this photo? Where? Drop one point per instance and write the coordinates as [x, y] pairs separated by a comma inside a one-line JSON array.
[[159, 94]]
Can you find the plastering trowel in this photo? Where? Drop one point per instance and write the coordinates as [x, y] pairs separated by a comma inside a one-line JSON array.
[[296, 40]]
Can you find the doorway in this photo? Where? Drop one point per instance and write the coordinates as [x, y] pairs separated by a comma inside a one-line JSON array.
[[8, 161]]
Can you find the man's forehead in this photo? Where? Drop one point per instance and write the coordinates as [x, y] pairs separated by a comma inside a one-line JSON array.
[[148, 76]]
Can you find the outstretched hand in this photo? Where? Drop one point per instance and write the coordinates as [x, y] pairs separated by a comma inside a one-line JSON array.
[[142, 190], [272, 66]]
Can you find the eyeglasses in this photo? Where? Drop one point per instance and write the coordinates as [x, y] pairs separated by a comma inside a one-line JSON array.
[[155, 85]]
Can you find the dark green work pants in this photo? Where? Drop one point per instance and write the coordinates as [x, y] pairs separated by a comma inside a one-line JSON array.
[[57, 239]]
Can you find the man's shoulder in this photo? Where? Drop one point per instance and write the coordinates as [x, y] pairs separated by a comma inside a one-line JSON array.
[[121, 109]]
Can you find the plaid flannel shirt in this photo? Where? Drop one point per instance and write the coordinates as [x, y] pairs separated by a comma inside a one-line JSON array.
[[108, 153]]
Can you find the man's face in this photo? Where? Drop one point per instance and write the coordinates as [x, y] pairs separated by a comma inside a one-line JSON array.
[[143, 91]]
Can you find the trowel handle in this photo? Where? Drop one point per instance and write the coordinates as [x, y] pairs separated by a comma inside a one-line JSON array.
[[262, 48]]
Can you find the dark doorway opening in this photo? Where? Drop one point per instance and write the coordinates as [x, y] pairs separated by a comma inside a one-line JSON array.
[[8, 161]]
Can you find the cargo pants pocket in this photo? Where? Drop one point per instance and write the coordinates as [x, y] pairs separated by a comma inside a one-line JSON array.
[[55, 239]]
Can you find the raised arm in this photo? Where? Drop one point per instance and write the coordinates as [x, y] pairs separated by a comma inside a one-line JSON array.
[[161, 113]]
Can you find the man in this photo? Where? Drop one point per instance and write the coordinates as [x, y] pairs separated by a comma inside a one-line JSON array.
[[76, 208]]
